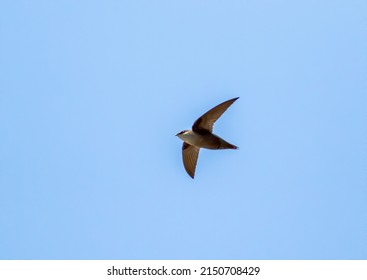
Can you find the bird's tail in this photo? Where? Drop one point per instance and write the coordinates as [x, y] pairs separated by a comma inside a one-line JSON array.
[[226, 145], [230, 146]]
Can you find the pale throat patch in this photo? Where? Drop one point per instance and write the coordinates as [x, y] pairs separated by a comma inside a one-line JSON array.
[[190, 137]]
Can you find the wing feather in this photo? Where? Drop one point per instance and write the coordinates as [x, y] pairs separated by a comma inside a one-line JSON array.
[[190, 156], [206, 121]]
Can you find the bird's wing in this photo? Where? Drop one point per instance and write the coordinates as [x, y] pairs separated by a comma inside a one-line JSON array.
[[190, 156], [206, 121]]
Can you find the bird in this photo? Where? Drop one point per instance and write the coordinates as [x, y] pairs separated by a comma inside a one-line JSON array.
[[201, 136]]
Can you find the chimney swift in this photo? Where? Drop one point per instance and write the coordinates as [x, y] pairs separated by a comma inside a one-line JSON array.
[[201, 136]]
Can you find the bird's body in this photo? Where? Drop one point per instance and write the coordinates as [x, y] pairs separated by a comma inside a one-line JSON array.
[[205, 140], [201, 136]]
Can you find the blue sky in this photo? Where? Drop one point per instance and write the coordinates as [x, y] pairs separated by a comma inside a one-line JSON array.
[[92, 94]]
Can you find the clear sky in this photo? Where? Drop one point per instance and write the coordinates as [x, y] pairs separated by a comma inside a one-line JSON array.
[[92, 94]]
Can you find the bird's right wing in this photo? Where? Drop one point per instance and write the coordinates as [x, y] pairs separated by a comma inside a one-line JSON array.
[[206, 121], [190, 156]]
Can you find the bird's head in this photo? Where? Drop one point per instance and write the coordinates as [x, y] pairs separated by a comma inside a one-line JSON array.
[[181, 133]]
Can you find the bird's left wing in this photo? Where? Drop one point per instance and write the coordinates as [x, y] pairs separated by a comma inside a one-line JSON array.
[[190, 156]]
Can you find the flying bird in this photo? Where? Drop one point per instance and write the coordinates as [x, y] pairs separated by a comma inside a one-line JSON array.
[[201, 136]]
